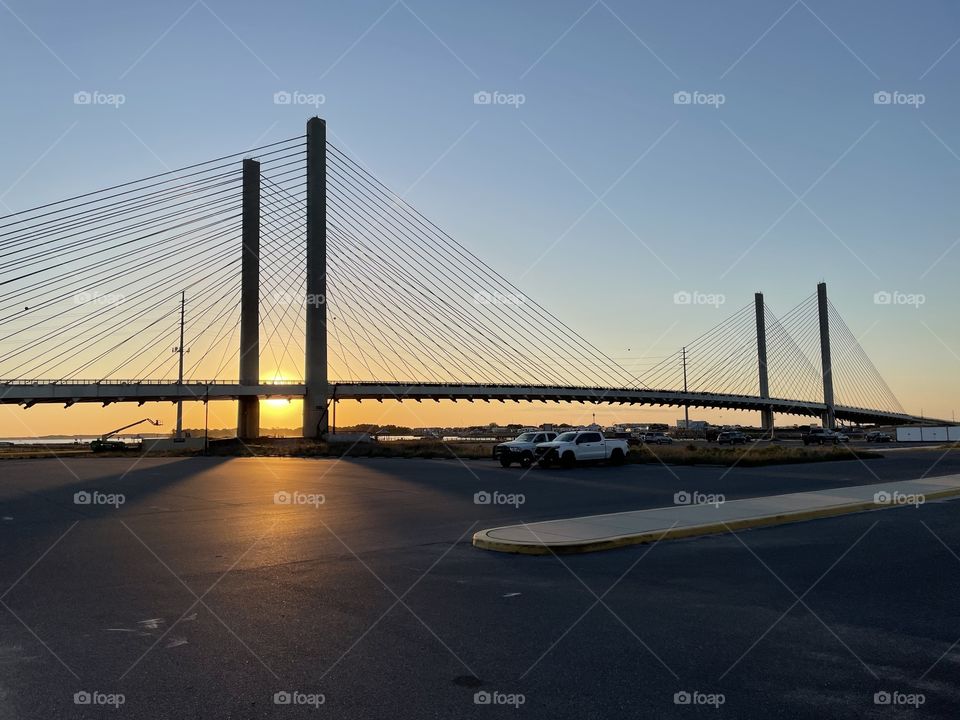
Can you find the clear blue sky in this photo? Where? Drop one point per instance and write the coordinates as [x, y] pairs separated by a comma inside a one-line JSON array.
[[707, 202]]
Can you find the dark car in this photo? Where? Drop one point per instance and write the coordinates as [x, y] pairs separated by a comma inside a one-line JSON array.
[[823, 436], [732, 438], [522, 448]]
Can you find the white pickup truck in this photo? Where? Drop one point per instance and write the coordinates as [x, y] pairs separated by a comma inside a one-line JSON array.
[[581, 446]]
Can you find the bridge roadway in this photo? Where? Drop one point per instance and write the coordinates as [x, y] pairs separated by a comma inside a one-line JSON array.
[[69, 392]]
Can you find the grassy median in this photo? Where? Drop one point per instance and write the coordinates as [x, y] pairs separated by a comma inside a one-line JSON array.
[[677, 454], [744, 455], [752, 455]]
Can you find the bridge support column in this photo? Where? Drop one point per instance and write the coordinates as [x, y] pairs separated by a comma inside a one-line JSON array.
[[315, 363], [829, 416], [766, 415], [248, 408]]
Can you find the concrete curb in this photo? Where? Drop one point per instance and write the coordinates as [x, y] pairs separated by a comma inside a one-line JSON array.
[[482, 539]]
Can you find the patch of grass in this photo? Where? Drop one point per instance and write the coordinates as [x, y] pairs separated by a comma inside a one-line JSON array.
[[41, 449], [425, 449], [745, 455], [687, 454], [690, 454]]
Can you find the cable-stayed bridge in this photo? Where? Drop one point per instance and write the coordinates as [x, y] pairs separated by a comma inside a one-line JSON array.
[[306, 277]]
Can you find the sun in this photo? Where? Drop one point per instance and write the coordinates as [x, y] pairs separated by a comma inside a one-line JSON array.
[[277, 379]]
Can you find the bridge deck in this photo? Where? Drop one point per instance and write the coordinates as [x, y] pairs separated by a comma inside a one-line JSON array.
[[108, 392]]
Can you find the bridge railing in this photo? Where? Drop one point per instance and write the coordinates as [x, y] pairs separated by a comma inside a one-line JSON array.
[[112, 381]]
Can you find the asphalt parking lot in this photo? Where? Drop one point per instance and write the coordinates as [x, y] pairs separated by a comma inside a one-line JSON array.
[[204, 587]]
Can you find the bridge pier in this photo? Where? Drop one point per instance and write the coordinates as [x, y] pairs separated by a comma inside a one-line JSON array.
[[316, 389], [248, 408], [766, 415], [829, 416]]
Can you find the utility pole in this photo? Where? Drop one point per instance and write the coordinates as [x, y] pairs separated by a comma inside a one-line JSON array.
[[180, 350], [686, 404], [206, 422]]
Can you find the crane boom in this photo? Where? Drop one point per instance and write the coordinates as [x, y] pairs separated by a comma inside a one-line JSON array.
[[107, 436]]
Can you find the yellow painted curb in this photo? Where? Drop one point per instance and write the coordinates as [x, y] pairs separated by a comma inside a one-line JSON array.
[[481, 539]]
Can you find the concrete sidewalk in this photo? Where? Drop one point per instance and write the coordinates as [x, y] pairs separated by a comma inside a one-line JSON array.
[[603, 532]]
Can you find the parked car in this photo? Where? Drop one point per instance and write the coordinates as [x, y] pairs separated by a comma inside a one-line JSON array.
[[630, 438], [657, 438], [581, 446], [521, 449], [823, 436], [732, 437], [879, 437]]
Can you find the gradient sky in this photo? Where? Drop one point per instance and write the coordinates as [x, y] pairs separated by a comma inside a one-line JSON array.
[[695, 198]]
